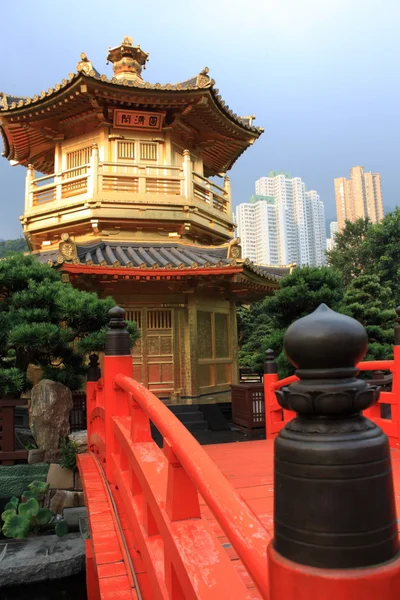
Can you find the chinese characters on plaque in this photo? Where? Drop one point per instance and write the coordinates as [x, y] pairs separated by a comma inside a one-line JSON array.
[[132, 119]]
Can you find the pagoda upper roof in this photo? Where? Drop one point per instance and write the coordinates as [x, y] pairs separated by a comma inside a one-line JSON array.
[[30, 126]]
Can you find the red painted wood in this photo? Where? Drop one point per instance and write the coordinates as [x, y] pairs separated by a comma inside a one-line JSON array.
[[132, 272], [195, 521], [108, 572], [290, 581], [276, 417], [251, 540]]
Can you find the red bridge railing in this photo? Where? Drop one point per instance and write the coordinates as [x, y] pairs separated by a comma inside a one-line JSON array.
[[160, 491], [276, 417]]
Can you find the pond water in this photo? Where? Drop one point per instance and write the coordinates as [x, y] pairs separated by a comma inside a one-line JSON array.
[[62, 589]]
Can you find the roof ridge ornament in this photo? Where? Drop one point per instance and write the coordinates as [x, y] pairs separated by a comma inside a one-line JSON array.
[[84, 65], [127, 60], [67, 249], [203, 80]]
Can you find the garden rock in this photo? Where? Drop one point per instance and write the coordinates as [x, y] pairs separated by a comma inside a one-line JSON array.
[[59, 478], [66, 499], [77, 482], [52, 456], [41, 558], [35, 456], [80, 439], [51, 404]]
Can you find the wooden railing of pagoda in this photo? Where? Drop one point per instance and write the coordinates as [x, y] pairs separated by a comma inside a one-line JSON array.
[[276, 417], [160, 491], [94, 178]]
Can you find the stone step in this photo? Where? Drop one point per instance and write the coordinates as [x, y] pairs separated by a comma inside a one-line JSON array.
[[183, 408], [189, 417], [192, 426]]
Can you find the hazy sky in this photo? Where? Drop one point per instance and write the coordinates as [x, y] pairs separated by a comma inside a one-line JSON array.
[[322, 76]]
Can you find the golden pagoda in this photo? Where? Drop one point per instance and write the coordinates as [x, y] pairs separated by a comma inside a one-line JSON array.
[[126, 207]]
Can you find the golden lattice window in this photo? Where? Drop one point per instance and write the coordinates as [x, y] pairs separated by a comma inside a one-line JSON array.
[[126, 150], [148, 151], [159, 319], [177, 157], [221, 336], [204, 334], [134, 315], [78, 158]]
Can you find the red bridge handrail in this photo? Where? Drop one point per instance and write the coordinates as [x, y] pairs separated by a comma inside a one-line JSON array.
[[376, 365], [367, 365], [276, 417], [241, 526]]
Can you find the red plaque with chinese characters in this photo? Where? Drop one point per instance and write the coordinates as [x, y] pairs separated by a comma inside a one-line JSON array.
[[133, 119]]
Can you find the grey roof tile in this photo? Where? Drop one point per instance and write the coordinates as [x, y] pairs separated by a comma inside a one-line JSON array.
[[159, 255]]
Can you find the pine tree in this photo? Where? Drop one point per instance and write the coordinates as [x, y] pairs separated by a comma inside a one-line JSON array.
[[299, 294], [48, 323], [372, 304]]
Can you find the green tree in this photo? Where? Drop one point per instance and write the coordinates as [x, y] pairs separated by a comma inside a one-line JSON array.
[[383, 251], [48, 323], [365, 248], [350, 256], [299, 293], [372, 304], [7, 247], [254, 326]]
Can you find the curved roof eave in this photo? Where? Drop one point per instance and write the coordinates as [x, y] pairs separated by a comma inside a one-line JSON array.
[[12, 104]]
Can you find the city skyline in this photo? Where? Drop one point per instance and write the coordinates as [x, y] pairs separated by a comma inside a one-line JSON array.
[[282, 223]]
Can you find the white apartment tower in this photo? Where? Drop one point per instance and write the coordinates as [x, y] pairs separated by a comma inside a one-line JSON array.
[[283, 223], [333, 229]]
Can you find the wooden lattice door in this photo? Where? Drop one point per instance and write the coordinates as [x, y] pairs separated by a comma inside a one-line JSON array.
[[137, 351], [153, 353], [160, 351]]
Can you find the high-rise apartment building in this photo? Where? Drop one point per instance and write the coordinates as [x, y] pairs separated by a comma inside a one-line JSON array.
[[333, 229], [359, 196], [282, 223]]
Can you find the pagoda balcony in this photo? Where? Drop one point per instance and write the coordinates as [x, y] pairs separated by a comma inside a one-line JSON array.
[[126, 183]]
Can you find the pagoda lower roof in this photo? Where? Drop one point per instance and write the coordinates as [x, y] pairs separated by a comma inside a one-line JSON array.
[[174, 259]]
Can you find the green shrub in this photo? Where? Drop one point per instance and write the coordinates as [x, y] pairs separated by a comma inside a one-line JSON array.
[[68, 451], [20, 518]]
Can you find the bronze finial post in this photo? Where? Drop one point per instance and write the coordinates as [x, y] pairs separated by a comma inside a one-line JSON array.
[[94, 371], [117, 340], [334, 496], [270, 366]]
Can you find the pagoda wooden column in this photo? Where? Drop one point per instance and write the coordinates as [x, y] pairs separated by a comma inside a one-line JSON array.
[[190, 365], [188, 175], [228, 191], [30, 176], [93, 177]]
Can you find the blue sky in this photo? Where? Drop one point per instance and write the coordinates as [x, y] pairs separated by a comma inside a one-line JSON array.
[[322, 76]]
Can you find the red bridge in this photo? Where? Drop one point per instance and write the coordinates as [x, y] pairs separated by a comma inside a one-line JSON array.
[[191, 522]]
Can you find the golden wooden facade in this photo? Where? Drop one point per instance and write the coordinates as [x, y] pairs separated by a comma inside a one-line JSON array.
[[125, 206]]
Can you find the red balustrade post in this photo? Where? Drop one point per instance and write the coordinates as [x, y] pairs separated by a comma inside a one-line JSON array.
[[182, 496], [117, 360], [335, 522], [270, 377], [182, 503]]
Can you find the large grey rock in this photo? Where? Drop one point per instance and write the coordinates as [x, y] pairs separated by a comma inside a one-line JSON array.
[[51, 404], [41, 558]]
